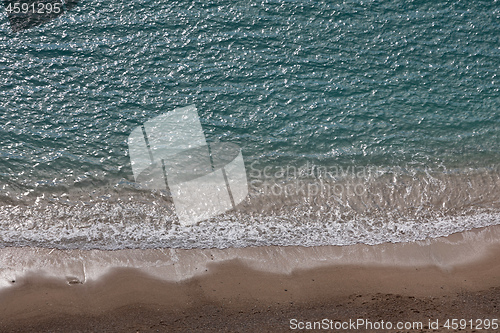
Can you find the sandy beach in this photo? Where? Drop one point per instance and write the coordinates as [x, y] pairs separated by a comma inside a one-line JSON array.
[[271, 289]]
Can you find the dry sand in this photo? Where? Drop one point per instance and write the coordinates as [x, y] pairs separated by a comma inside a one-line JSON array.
[[237, 295]]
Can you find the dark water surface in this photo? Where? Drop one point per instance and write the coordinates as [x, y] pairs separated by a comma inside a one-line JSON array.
[[389, 110]]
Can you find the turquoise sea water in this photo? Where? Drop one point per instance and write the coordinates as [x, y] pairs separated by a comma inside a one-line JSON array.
[[399, 101]]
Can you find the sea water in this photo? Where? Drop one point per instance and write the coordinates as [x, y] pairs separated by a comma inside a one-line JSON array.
[[358, 121]]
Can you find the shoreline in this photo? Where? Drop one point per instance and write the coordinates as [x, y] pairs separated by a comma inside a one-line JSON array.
[[176, 265], [168, 290]]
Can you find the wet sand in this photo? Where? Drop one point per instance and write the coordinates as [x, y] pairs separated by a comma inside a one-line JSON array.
[[240, 295]]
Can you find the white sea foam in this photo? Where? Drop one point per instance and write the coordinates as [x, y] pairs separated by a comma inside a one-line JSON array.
[[391, 208]]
